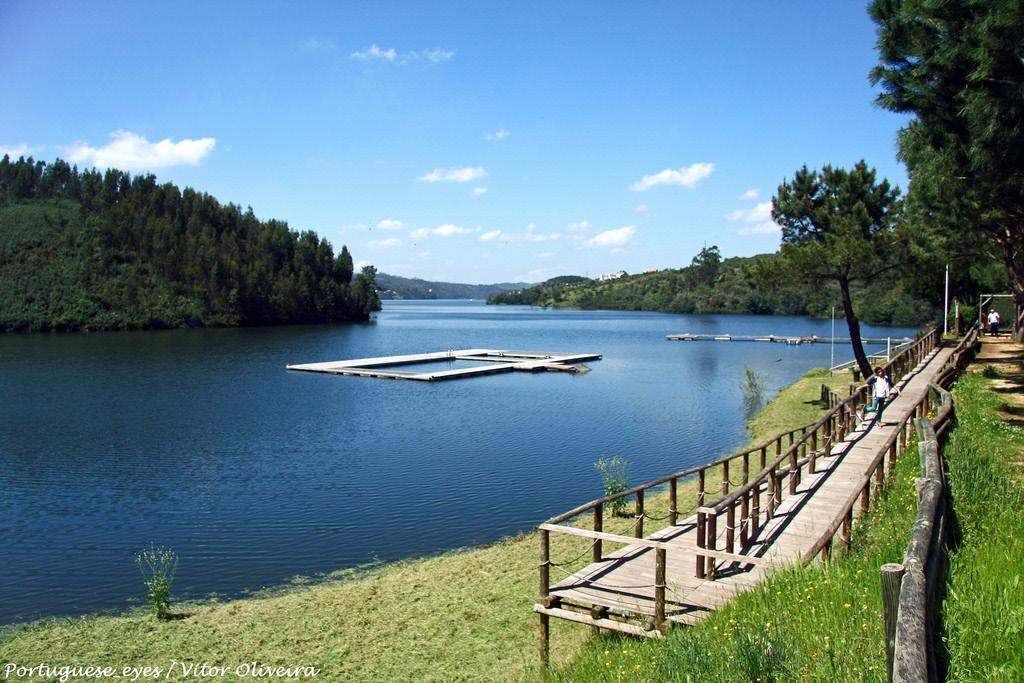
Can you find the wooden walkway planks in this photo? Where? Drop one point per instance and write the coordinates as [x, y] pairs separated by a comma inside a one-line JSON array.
[[623, 583]]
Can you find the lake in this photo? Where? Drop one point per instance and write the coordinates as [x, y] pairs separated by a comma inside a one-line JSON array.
[[201, 441]]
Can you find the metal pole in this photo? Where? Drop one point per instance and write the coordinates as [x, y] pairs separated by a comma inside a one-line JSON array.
[[832, 361], [945, 310]]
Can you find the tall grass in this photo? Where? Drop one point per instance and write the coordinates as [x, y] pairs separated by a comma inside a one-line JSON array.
[[983, 613]]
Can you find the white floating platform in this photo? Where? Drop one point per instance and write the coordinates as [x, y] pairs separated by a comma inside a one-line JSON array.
[[491, 361]]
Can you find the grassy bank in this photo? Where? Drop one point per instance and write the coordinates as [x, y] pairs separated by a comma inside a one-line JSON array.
[[458, 616], [824, 622]]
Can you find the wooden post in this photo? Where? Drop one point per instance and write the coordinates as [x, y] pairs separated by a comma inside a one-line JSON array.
[[701, 532], [712, 544], [892, 576], [764, 458], [598, 526], [879, 474], [814, 452], [794, 469], [640, 514], [848, 529], [772, 484], [865, 498], [777, 490], [746, 468], [725, 477], [659, 588], [744, 519], [892, 457], [672, 502], [730, 528], [545, 634], [700, 488], [756, 512]]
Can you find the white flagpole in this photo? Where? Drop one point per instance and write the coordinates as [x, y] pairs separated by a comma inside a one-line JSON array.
[[945, 309]]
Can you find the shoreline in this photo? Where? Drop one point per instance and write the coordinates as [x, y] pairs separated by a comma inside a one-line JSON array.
[[382, 621]]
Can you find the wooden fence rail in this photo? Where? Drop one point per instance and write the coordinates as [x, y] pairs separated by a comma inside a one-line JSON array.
[[742, 509], [768, 472], [911, 609]]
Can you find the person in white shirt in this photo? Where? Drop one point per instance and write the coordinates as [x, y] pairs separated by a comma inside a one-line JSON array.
[[883, 388], [993, 322]]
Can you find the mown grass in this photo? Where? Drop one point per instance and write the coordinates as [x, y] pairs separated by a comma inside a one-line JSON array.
[[459, 616]]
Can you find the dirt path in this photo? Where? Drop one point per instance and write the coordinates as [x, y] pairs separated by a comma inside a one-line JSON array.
[[1003, 360]]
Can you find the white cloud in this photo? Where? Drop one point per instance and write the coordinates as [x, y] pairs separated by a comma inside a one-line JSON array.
[[316, 43], [453, 175], [498, 135], [752, 193], [766, 228], [758, 220], [759, 213], [130, 151], [389, 224], [640, 208], [613, 238], [490, 235], [393, 56], [448, 229], [686, 176], [582, 226], [16, 151], [477, 191], [359, 265], [437, 55], [384, 244], [419, 233], [374, 52]]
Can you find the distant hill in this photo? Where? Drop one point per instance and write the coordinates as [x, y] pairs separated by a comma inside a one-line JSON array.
[[711, 284], [396, 287], [84, 250]]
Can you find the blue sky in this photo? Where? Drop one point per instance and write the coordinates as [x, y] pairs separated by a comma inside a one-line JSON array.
[[472, 142]]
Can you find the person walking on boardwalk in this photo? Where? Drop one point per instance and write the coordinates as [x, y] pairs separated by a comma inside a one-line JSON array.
[[993, 322], [882, 388]]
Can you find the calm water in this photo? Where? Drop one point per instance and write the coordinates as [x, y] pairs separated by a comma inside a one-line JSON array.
[[200, 440]]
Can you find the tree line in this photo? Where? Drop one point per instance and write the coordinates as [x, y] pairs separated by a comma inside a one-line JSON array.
[[90, 250], [712, 284]]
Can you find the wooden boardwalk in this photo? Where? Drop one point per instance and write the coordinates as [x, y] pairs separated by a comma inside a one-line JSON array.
[[685, 563]]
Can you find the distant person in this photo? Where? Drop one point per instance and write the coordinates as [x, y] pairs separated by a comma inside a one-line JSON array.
[[994, 319], [882, 387]]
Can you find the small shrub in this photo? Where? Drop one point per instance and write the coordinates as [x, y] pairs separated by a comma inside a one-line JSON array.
[[615, 476], [753, 387], [991, 372], [158, 565]]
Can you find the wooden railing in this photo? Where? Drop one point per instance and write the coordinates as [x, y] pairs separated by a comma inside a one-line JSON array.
[[909, 588], [790, 452], [742, 509]]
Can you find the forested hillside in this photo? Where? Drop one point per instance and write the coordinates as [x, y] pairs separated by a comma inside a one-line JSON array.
[[84, 250], [715, 285], [396, 287]]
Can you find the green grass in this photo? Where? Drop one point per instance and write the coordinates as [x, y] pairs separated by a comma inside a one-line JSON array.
[[824, 622], [455, 617], [983, 613]]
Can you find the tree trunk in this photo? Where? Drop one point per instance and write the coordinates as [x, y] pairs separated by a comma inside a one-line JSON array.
[[854, 325]]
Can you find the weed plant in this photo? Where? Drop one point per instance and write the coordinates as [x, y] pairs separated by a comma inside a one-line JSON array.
[[157, 566], [615, 478]]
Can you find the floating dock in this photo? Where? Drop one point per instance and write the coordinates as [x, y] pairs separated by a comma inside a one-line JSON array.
[[781, 339], [490, 361]]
